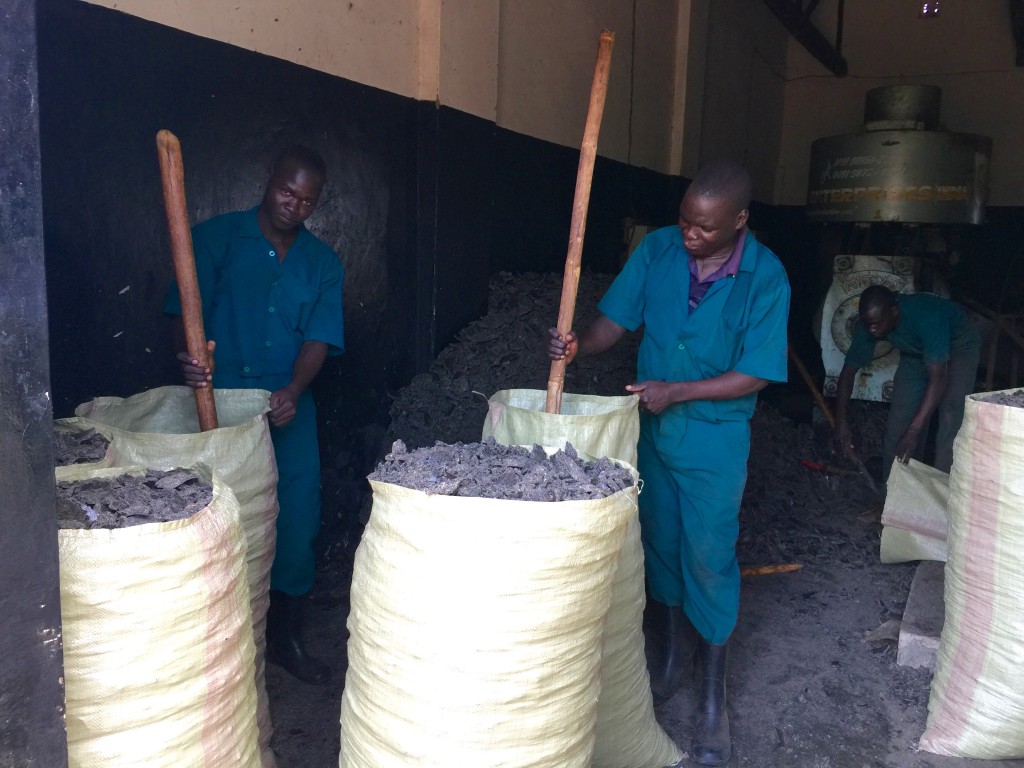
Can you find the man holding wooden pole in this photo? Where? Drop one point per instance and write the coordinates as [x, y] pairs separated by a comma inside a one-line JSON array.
[[714, 304], [272, 305]]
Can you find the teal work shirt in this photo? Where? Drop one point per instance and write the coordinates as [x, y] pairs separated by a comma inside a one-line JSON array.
[[739, 325], [258, 309], [930, 327]]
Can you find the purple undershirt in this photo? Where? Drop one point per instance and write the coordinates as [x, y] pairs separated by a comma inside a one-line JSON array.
[[698, 287]]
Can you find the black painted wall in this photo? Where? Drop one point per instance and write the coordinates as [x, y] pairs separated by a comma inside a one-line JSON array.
[[108, 83], [31, 673], [535, 183]]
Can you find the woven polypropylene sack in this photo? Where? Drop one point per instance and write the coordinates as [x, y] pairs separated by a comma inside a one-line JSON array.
[[599, 426], [475, 630], [160, 429], [158, 647], [914, 519], [627, 733], [976, 707]]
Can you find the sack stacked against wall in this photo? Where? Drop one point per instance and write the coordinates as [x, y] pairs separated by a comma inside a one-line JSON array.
[[627, 733], [976, 707], [160, 429], [476, 628], [158, 647]]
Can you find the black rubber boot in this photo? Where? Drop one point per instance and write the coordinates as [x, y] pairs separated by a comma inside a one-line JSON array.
[[284, 639], [677, 657], [712, 743]]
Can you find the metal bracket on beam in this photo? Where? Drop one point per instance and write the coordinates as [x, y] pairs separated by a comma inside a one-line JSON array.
[[795, 17]]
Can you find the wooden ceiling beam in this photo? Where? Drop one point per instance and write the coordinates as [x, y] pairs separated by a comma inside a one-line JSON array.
[[796, 19]]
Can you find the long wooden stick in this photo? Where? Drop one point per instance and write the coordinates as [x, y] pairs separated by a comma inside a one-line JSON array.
[[172, 175], [768, 570], [584, 177], [809, 381]]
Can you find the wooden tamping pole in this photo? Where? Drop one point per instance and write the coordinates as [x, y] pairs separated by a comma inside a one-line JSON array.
[[584, 177], [172, 175]]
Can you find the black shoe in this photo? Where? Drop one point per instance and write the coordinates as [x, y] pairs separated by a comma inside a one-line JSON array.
[[677, 656], [712, 742], [284, 639]]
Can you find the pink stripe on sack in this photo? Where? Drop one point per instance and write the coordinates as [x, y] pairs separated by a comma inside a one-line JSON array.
[[977, 562]]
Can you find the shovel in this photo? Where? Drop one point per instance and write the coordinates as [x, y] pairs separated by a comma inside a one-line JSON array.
[[172, 174], [850, 454]]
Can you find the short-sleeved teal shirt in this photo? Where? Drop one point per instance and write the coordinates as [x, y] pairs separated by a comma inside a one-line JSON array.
[[739, 325], [258, 309], [930, 327]]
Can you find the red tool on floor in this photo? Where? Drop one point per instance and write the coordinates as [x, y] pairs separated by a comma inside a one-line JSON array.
[[850, 454], [825, 468]]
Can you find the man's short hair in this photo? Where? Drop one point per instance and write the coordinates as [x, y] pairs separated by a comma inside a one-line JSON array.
[[300, 156], [723, 179], [877, 296]]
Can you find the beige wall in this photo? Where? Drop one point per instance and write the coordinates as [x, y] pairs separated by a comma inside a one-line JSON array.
[[967, 50], [371, 42], [546, 64], [468, 58], [744, 91], [415, 48], [690, 72], [694, 79], [527, 64]]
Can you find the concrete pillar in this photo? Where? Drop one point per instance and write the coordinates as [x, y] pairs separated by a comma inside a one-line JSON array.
[[31, 662]]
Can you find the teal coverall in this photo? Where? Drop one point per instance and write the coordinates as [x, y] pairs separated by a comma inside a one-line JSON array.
[[693, 456], [930, 330], [260, 311]]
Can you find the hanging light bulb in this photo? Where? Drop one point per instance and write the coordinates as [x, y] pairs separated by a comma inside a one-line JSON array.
[[929, 9]]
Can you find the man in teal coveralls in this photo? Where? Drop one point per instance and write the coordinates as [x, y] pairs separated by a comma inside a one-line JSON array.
[[272, 307], [714, 304], [939, 351]]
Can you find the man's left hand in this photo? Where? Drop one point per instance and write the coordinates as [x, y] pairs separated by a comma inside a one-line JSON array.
[[282, 406], [655, 396], [907, 444]]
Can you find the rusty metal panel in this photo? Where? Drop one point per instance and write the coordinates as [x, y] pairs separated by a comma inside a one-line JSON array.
[[899, 176], [31, 662], [902, 107]]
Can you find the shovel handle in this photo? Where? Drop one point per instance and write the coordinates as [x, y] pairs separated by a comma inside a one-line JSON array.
[[767, 570], [809, 381], [172, 175], [581, 200]]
